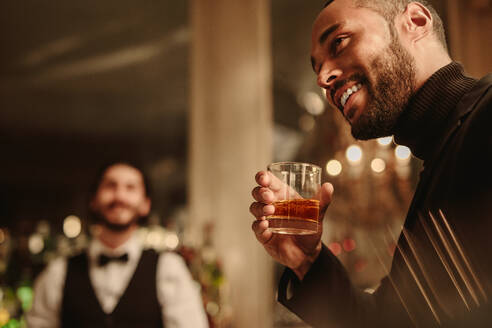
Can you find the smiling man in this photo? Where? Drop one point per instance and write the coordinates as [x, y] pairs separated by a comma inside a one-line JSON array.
[[369, 66], [116, 282], [384, 65]]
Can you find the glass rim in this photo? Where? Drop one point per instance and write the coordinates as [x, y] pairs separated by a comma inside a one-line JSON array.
[[292, 162]]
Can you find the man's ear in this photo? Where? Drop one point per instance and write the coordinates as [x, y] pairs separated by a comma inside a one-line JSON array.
[[417, 21], [145, 207]]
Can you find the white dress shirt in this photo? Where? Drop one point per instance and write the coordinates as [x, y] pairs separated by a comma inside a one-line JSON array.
[[177, 293]]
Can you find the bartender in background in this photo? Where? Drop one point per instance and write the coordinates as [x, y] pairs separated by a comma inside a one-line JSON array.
[[116, 283]]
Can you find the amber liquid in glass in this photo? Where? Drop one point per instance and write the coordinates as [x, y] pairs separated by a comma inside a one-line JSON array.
[[295, 216]]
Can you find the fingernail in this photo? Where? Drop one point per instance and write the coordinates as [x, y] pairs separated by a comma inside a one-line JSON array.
[[265, 194], [268, 210]]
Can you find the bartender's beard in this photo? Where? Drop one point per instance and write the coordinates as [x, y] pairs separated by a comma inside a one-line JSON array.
[[115, 227], [119, 227]]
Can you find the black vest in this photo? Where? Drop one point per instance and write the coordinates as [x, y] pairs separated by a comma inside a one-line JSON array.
[[137, 307]]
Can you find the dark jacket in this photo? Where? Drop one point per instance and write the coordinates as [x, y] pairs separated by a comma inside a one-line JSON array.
[[441, 274]]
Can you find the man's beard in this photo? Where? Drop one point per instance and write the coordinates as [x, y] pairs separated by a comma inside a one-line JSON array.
[[119, 227], [116, 227], [394, 70]]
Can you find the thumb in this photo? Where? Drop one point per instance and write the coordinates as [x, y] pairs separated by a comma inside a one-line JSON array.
[[325, 199]]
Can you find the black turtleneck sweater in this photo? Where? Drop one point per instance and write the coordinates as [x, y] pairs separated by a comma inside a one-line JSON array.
[[423, 122]]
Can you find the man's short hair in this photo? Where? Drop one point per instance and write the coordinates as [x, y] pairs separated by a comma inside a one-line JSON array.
[[389, 9], [131, 163]]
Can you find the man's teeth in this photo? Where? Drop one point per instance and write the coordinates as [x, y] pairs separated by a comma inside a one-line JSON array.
[[349, 92]]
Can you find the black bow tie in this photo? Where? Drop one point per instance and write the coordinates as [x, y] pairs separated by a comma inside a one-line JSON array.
[[104, 259]]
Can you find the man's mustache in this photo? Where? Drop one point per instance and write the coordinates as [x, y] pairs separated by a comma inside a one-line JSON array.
[[119, 204]]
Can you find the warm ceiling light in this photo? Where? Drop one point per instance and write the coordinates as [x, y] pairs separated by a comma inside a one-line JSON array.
[[334, 167], [354, 154], [378, 165], [72, 226], [385, 141]]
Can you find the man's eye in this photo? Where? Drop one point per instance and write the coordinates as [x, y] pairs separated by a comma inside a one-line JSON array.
[[338, 43]]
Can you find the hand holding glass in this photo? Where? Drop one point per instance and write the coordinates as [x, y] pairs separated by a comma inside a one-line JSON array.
[[297, 201]]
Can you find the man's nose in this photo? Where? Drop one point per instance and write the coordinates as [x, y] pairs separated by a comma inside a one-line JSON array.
[[327, 76], [119, 193]]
